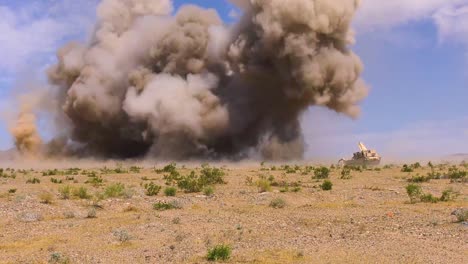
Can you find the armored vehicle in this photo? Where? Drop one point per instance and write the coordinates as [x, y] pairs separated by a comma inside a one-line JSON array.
[[365, 157]]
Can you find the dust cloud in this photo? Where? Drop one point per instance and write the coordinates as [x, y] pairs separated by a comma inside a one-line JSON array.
[[158, 83]]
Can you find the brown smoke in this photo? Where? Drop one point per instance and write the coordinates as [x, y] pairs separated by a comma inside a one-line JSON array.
[[27, 139], [182, 86]]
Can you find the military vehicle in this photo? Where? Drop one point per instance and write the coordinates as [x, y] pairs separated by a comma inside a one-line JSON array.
[[365, 157]]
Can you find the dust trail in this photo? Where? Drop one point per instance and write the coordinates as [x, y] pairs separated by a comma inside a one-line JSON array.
[[153, 84]]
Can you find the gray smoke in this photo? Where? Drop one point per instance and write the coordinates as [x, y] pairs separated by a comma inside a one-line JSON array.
[[149, 83]]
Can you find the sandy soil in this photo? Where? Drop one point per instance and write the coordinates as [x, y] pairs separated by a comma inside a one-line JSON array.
[[366, 219]]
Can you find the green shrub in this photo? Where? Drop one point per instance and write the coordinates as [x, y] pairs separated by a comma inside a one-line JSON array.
[[152, 189], [65, 192], [46, 198], [346, 173], [277, 203], [428, 198], [115, 190], [455, 174], [219, 252], [81, 193], [163, 206], [210, 175], [407, 168], [56, 181], [57, 258], [414, 192], [449, 195], [95, 181], [263, 185], [321, 173], [208, 191], [170, 191], [326, 185], [419, 178], [168, 168], [33, 181]]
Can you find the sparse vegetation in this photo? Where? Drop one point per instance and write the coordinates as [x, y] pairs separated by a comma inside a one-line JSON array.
[[414, 192], [58, 258], [65, 192], [346, 173], [46, 198], [321, 173], [208, 191], [326, 185], [277, 203], [152, 189], [449, 195], [163, 206], [219, 252], [56, 181], [122, 236], [263, 185], [461, 214], [170, 191], [81, 193], [33, 181], [115, 190]]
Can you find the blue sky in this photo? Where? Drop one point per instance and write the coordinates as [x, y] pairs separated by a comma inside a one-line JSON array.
[[414, 52]]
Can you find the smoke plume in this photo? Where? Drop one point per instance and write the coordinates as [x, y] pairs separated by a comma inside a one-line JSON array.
[[176, 86]]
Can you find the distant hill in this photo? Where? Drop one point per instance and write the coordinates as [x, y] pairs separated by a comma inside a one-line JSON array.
[[459, 157]]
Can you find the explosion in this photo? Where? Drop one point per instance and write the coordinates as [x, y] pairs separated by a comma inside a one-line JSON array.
[[153, 84]]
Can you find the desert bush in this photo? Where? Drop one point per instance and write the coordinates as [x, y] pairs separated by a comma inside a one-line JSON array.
[[58, 258], [163, 206], [346, 173], [91, 213], [263, 185], [135, 169], [195, 183], [46, 198], [461, 214], [65, 192], [115, 190], [33, 181], [122, 236], [428, 198], [406, 168], [321, 173], [12, 191], [457, 175], [219, 252], [170, 191], [95, 181], [449, 195], [211, 175], [419, 178], [152, 189], [277, 203], [168, 168], [56, 181], [81, 192], [326, 185], [69, 214], [414, 192], [208, 191]]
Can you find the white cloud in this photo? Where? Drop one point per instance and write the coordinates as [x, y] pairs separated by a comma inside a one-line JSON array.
[[378, 14], [32, 32], [452, 23]]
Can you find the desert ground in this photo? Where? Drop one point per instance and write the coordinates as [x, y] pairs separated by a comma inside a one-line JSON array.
[[260, 212]]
